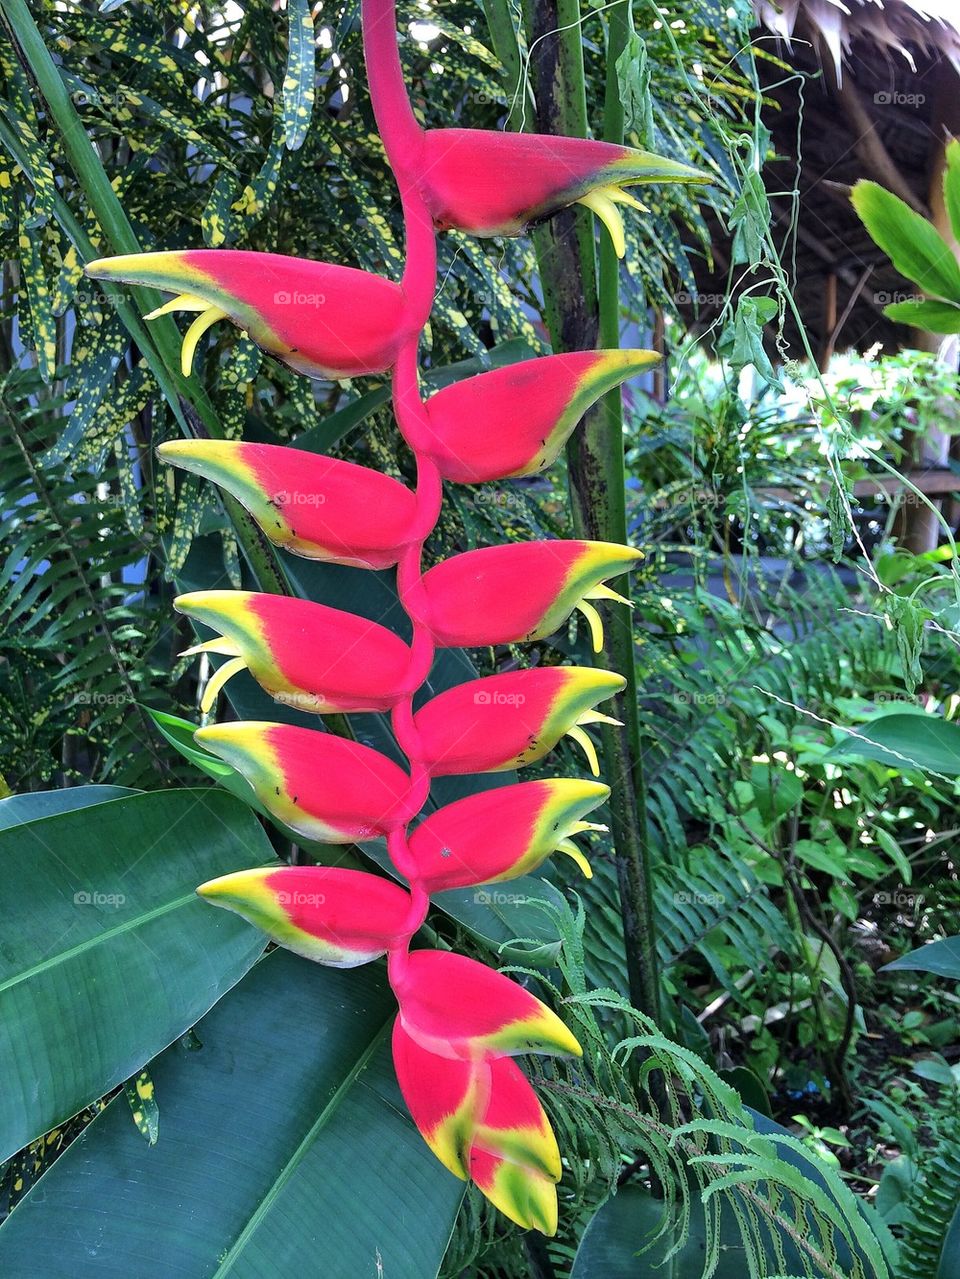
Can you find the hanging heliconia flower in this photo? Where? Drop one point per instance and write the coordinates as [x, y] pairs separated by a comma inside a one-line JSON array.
[[501, 183], [322, 320], [515, 421], [460, 1023]]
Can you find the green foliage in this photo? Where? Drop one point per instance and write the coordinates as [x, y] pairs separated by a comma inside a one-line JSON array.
[[284, 1146], [917, 249], [931, 1244], [86, 634], [100, 899], [723, 1172]]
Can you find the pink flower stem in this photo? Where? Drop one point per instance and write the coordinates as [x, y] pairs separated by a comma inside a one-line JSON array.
[[403, 142]]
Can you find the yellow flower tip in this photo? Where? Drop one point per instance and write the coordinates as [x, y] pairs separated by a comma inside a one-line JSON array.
[[100, 268], [595, 623], [597, 717], [194, 333], [578, 828], [182, 302], [200, 455], [600, 203], [579, 789], [619, 360], [603, 592], [238, 736], [569, 847], [586, 745], [176, 451], [217, 680], [220, 645], [619, 196], [238, 883]]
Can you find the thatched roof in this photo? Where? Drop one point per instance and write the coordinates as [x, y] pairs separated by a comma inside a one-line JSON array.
[[898, 27], [880, 96]]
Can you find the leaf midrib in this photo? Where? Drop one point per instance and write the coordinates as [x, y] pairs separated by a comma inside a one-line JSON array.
[[98, 940], [290, 1167]]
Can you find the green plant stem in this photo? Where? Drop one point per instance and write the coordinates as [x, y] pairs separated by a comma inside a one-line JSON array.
[[579, 317], [161, 346], [503, 37]]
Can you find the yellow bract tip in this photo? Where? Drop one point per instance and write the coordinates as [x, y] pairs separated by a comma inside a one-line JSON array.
[[193, 335], [597, 717], [569, 847], [603, 592], [219, 645], [217, 681], [595, 622], [587, 746], [182, 302], [608, 213]]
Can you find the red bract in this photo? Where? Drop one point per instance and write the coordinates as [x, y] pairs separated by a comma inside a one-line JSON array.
[[514, 421], [313, 505], [322, 320], [337, 917], [324, 787], [481, 1118], [473, 600], [304, 655], [508, 721], [459, 1021], [500, 183], [456, 1007], [503, 833]]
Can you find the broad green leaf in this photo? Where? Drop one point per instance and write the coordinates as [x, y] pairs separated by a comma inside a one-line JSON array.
[[750, 1086], [936, 1069], [935, 317], [903, 740], [16, 810], [285, 1149], [911, 243], [939, 957], [613, 1243], [107, 954]]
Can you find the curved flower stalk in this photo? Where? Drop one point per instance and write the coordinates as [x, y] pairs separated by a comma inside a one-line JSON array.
[[460, 1023]]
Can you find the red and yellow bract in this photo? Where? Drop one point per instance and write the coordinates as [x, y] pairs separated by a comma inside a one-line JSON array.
[[460, 1022]]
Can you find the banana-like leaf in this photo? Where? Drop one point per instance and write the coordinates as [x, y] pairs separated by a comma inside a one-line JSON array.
[[906, 740], [106, 952], [16, 810], [937, 317], [912, 244], [939, 957], [284, 1149]]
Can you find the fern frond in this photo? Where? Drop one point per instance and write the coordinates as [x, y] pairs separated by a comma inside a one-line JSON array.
[[933, 1206]]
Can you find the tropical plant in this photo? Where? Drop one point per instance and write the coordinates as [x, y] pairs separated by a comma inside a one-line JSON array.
[[395, 824]]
